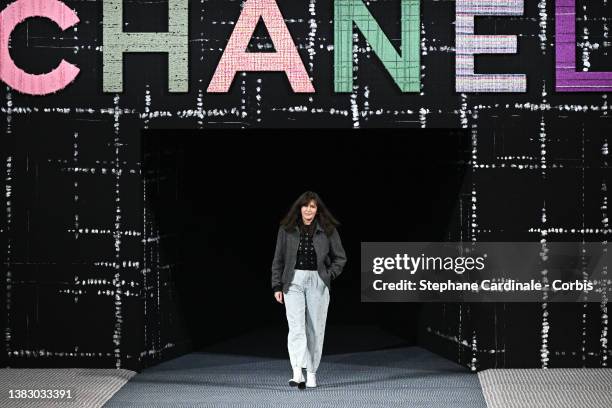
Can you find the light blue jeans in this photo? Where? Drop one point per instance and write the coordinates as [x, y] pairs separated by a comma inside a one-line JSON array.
[[306, 303]]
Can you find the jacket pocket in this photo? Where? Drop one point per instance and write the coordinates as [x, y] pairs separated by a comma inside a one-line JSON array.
[[327, 262]]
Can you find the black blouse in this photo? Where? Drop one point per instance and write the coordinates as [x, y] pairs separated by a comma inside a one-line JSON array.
[[306, 255]]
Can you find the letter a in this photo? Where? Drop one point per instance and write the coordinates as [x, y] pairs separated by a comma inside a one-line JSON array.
[[235, 58]]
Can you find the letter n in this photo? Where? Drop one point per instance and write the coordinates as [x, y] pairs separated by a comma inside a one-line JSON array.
[[404, 68]]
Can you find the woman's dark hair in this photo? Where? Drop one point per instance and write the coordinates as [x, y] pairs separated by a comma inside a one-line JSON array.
[[325, 218]]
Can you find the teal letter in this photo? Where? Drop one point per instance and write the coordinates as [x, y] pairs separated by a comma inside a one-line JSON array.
[[404, 69], [116, 42]]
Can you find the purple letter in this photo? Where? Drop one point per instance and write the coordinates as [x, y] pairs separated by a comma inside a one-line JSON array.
[[568, 79]]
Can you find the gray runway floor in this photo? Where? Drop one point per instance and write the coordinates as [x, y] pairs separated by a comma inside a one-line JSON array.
[[550, 388], [80, 387], [406, 377], [363, 367]]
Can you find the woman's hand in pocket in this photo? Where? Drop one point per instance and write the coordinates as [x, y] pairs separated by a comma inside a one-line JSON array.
[[278, 296]]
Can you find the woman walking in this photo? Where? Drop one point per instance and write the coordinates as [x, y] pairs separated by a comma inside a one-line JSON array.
[[308, 256]]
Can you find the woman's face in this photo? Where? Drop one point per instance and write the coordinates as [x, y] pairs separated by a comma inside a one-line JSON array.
[[309, 211]]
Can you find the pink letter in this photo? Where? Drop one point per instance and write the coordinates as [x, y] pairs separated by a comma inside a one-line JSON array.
[[17, 78], [235, 58]]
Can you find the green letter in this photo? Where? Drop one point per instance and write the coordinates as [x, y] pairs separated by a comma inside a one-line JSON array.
[[404, 69], [116, 42]]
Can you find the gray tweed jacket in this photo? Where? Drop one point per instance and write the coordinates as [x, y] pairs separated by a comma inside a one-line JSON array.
[[330, 256]]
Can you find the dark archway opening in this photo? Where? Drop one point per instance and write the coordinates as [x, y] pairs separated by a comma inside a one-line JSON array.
[[219, 197]]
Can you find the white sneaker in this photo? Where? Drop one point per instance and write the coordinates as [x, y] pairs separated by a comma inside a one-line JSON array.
[[311, 380], [298, 379]]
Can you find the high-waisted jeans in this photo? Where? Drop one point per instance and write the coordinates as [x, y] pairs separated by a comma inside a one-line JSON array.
[[306, 303]]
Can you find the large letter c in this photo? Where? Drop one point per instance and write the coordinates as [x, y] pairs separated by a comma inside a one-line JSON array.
[[17, 78]]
